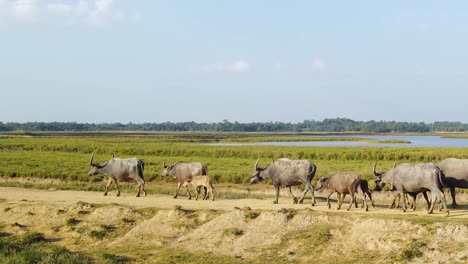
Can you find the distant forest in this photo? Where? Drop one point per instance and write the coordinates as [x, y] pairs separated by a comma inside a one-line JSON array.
[[326, 125]]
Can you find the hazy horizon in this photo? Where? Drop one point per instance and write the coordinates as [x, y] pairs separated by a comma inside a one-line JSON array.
[[108, 61]]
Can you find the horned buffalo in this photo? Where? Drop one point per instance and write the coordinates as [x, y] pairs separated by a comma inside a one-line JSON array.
[[120, 170], [414, 178], [183, 172], [286, 172], [456, 173], [342, 184]]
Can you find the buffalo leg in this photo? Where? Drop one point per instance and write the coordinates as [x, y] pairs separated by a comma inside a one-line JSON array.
[[109, 182], [308, 187], [294, 197], [340, 200], [394, 203], [277, 189], [370, 198], [177, 190], [188, 191], [427, 200], [452, 193], [197, 190], [328, 200], [364, 204], [436, 193], [404, 206], [139, 188], [353, 199], [118, 188]]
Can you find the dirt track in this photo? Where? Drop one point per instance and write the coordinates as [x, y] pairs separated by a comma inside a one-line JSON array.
[[305, 235], [64, 198]]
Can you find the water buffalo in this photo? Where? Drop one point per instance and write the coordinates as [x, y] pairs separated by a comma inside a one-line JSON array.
[[414, 178], [396, 203], [183, 172], [342, 184], [120, 170], [363, 189], [286, 172], [456, 173], [201, 181]]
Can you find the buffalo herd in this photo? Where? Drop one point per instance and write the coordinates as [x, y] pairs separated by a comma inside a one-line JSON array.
[[404, 179]]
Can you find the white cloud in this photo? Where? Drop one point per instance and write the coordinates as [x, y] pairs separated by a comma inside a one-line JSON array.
[[60, 8], [23, 9], [88, 12], [239, 66], [103, 5], [318, 65]]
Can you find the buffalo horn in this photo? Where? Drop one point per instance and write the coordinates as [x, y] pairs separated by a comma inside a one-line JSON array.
[[91, 161], [256, 163], [375, 173]]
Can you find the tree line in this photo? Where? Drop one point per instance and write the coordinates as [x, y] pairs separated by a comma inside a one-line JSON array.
[[326, 125]]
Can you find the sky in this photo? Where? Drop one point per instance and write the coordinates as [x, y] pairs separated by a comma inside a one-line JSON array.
[[248, 61]]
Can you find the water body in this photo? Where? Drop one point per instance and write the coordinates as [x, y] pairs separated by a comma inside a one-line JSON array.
[[416, 141]]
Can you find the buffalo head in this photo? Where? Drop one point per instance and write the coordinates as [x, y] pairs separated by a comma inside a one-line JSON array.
[[95, 167], [256, 177], [321, 184], [166, 169], [379, 184]]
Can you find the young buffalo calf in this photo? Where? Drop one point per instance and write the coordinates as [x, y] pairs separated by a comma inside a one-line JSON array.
[[201, 181], [342, 184]]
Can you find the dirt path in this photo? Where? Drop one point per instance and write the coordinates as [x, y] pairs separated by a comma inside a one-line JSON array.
[[64, 198]]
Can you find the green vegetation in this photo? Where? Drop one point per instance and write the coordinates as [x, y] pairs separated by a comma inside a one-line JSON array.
[[249, 215], [115, 259], [412, 250], [233, 232], [66, 159], [102, 232], [33, 248], [326, 125]]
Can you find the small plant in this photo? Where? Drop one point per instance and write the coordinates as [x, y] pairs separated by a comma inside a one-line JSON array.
[[16, 224], [71, 222], [251, 215], [290, 213], [103, 232], [115, 259], [233, 231], [55, 228]]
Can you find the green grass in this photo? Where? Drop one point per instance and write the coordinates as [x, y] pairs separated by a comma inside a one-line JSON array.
[[66, 159], [103, 231], [33, 248], [233, 232]]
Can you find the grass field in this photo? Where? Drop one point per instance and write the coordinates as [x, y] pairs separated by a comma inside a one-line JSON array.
[[58, 156], [61, 161]]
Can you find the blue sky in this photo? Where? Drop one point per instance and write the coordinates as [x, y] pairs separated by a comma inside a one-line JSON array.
[[205, 61]]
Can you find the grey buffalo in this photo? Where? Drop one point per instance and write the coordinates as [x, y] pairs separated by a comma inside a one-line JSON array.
[[396, 199], [183, 172], [342, 184], [414, 178], [456, 173], [286, 172], [120, 170]]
